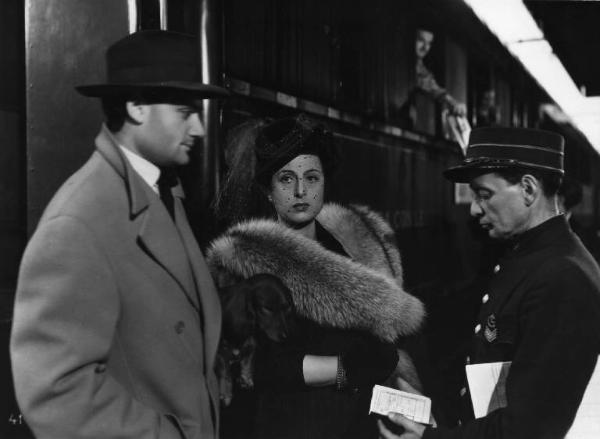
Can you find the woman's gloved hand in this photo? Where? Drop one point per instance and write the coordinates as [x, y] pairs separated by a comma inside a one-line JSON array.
[[369, 361]]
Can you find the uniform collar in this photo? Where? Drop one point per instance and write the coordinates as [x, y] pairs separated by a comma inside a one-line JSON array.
[[548, 232]]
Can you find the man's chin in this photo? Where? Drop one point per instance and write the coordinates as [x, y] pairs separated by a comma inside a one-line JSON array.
[[183, 160], [493, 234]]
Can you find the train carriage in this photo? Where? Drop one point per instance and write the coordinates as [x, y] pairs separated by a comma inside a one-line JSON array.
[[351, 65]]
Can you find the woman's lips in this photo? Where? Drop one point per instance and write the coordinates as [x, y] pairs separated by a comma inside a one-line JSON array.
[[301, 207]]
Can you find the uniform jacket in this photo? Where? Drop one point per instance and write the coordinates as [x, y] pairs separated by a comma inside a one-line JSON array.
[[542, 312], [339, 299], [116, 319]]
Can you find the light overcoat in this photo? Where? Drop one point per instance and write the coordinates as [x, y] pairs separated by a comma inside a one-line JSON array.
[[116, 319]]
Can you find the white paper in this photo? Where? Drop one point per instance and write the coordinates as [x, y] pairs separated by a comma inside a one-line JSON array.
[[587, 419], [487, 383], [414, 407]]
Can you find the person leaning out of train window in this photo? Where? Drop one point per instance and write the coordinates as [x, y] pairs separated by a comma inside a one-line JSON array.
[[344, 272], [541, 309], [425, 79]]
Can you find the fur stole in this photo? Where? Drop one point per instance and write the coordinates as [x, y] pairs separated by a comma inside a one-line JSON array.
[[364, 293]]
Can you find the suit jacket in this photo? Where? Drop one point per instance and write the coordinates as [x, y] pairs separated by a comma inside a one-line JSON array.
[[542, 312], [116, 319]]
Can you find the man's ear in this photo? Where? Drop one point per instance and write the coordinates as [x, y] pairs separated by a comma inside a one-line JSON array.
[[136, 112], [531, 188]]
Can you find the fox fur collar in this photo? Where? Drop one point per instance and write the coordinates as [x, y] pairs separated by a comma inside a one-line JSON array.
[[363, 293]]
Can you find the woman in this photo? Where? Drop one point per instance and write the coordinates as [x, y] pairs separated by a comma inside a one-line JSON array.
[[344, 272]]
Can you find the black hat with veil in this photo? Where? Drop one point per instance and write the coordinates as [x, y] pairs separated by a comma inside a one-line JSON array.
[[258, 148]]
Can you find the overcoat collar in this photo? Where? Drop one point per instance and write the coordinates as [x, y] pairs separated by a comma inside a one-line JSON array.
[[157, 235]]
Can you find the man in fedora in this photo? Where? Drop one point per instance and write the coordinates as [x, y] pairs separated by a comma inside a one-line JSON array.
[[541, 310], [116, 319]]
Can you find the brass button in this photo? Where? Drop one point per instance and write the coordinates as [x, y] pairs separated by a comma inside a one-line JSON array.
[[485, 298], [179, 327], [477, 328], [463, 391], [496, 268]]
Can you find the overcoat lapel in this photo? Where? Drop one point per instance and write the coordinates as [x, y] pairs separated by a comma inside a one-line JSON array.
[[157, 235], [159, 238]]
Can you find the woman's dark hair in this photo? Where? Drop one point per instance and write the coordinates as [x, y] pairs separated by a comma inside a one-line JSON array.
[[280, 141], [550, 180]]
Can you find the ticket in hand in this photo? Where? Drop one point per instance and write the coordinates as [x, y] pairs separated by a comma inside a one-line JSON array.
[[415, 407]]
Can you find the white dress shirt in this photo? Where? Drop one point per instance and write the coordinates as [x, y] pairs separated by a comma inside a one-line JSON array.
[[147, 170]]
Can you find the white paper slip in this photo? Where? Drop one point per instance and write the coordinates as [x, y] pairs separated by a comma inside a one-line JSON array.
[[414, 407], [587, 419], [487, 383]]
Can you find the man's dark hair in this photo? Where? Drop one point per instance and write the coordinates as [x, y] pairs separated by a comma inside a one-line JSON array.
[[115, 110], [572, 193], [550, 180]]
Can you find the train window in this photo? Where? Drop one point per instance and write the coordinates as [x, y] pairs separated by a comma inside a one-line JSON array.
[[148, 14], [183, 16], [175, 15]]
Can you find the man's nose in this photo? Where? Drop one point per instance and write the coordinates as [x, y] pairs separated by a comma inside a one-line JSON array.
[[196, 126], [476, 209]]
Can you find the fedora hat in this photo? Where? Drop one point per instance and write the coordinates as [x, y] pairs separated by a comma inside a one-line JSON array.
[[496, 148], [154, 61]]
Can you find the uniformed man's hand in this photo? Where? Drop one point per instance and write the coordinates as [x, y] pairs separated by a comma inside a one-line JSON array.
[[412, 430], [402, 384]]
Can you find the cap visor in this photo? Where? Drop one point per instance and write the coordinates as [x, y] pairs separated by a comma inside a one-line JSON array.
[[465, 173]]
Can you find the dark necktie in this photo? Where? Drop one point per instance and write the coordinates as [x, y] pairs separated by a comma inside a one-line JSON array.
[[166, 181]]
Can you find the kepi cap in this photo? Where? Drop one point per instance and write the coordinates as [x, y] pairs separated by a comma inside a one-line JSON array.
[[500, 147]]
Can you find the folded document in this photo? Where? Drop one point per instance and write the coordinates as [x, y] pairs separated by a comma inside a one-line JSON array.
[[414, 407]]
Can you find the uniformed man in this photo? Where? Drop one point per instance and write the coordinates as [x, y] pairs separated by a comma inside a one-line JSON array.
[[542, 307]]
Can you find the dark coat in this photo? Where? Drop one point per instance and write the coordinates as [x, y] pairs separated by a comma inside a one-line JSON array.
[[287, 408], [116, 320], [542, 312], [339, 299]]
